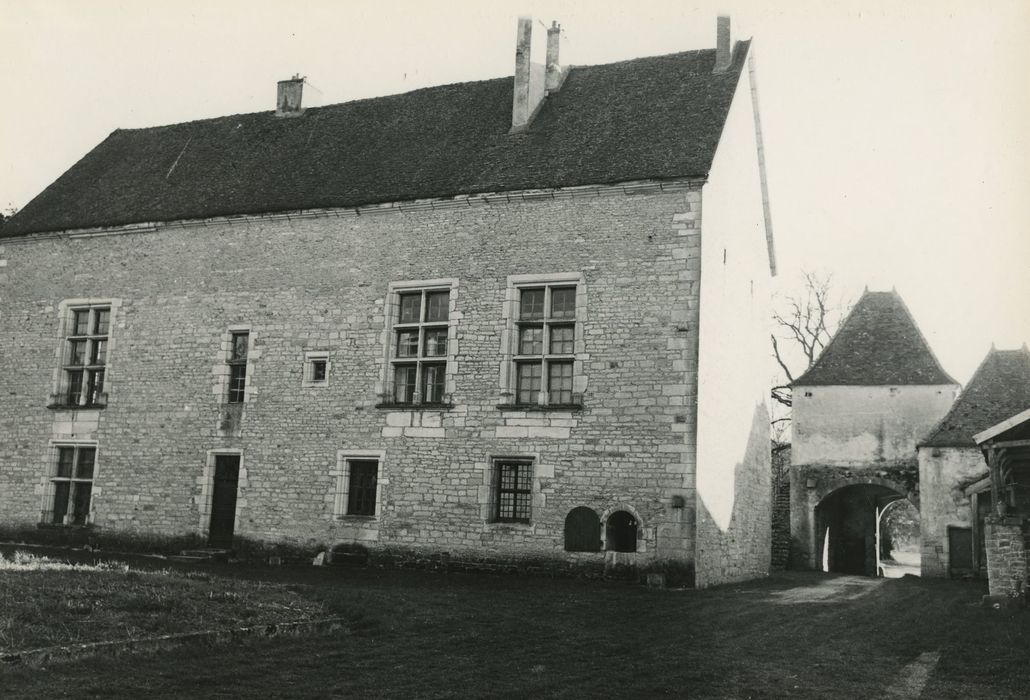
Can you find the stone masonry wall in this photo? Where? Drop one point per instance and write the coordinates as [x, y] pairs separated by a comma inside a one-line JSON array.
[[323, 284], [1006, 555]]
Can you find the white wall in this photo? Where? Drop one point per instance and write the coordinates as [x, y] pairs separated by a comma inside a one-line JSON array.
[[864, 425], [733, 449]]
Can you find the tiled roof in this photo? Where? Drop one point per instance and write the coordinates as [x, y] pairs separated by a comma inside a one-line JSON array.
[[999, 389], [649, 118], [877, 344]]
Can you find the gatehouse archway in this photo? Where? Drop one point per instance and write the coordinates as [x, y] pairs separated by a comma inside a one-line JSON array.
[[867, 529]]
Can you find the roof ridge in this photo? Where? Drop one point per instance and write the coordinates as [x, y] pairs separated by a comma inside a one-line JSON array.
[[413, 91]]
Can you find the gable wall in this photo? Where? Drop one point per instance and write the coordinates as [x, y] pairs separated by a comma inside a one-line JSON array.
[[322, 284], [944, 472], [733, 441]]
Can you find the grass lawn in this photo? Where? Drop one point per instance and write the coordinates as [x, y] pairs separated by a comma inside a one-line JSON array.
[[49, 602], [455, 636]]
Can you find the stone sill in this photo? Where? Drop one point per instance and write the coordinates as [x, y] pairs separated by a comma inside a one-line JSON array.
[[76, 407], [415, 406], [567, 407]]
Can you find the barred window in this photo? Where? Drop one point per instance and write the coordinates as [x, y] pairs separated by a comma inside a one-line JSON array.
[[71, 486], [514, 491], [545, 347], [86, 355], [419, 357]]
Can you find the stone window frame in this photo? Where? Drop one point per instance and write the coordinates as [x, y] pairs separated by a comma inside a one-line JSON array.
[[49, 490], [311, 357], [231, 414], [384, 388], [60, 386], [488, 493], [507, 382], [206, 482], [341, 476]]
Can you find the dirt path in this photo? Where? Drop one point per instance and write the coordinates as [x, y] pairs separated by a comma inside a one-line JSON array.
[[830, 590]]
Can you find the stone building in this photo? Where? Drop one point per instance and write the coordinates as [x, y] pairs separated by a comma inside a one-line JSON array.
[[955, 487], [1006, 449], [858, 413], [498, 321]]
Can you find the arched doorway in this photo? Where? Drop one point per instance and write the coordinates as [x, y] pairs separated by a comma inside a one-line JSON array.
[[621, 532], [851, 520]]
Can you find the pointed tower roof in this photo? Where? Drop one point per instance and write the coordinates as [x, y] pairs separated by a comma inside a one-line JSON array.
[[878, 344], [999, 389]]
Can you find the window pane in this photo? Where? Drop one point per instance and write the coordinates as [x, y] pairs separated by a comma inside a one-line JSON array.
[[404, 384], [532, 305], [237, 383], [361, 491], [96, 386], [80, 322], [74, 387], [436, 342], [61, 491], [436, 306], [407, 343], [531, 341], [563, 302], [65, 455], [78, 352], [528, 382], [99, 354], [514, 491], [84, 469], [318, 370], [80, 502], [102, 322], [239, 346], [410, 304], [433, 383], [559, 383], [562, 340]]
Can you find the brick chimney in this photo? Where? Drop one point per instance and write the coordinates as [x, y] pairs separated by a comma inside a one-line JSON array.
[[288, 99], [553, 68], [529, 79], [723, 51]]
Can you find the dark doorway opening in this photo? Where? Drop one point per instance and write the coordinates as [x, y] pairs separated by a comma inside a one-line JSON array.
[[582, 530], [847, 522], [621, 532], [223, 501]]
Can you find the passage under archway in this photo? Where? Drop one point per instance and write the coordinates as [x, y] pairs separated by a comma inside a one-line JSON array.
[[846, 522], [621, 532], [582, 530]]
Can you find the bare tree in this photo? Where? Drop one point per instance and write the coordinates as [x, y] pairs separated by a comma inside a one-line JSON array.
[[803, 325], [6, 214]]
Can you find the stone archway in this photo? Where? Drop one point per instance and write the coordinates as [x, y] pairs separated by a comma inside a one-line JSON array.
[[846, 525]]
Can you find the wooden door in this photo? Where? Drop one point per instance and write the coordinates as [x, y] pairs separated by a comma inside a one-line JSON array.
[[960, 551], [223, 501]]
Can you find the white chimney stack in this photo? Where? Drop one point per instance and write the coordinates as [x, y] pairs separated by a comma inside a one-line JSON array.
[[529, 79], [553, 68]]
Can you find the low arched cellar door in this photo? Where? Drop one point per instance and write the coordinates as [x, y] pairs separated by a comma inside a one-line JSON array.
[[621, 532], [582, 530]]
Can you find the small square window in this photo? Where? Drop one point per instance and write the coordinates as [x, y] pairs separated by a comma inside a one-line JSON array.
[[316, 368]]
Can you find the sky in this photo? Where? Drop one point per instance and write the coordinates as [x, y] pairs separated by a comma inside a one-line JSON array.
[[895, 132]]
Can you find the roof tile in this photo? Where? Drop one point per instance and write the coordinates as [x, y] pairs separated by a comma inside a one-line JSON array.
[[649, 118]]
